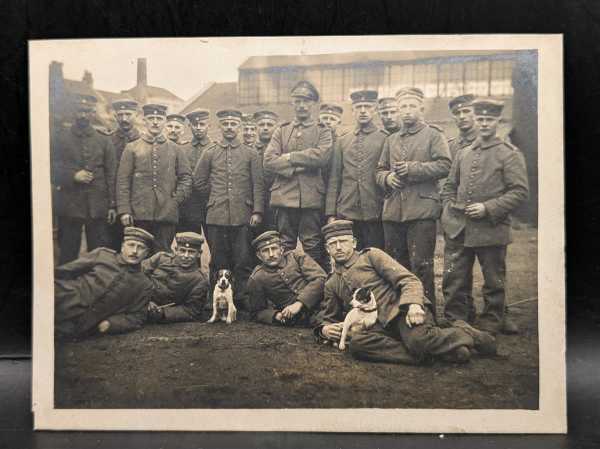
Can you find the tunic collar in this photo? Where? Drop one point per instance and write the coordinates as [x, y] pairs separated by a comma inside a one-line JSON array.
[[365, 130], [130, 135], [151, 139], [414, 129], [306, 124], [195, 142], [232, 144], [469, 136], [81, 132], [478, 143]]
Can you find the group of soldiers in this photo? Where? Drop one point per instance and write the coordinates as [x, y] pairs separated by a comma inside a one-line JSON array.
[[364, 204]]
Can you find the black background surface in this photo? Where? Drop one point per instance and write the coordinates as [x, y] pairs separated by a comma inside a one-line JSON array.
[[579, 20]]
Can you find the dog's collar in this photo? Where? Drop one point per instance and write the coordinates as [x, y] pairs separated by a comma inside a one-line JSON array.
[[372, 309]]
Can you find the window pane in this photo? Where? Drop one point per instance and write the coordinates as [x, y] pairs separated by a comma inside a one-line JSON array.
[[426, 79], [367, 77], [400, 76], [248, 88], [502, 78], [332, 85], [477, 77], [451, 80], [267, 87], [288, 77]]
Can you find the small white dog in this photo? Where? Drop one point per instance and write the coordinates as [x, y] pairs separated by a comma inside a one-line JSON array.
[[362, 316], [223, 307]]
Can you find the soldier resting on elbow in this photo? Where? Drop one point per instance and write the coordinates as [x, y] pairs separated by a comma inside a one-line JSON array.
[[104, 291], [181, 288], [287, 287]]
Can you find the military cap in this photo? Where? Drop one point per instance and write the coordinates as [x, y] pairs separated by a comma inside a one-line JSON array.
[[330, 108], [83, 101], [261, 115], [248, 119], [229, 114], [488, 107], [139, 234], [336, 228], [198, 115], [408, 92], [305, 89], [189, 240], [462, 101], [364, 96], [154, 109], [125, 105], [176, 118], [266, 238], [387, 103]]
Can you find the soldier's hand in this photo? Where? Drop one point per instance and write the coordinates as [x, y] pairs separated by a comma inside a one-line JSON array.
[[279, 318], [331, 219], [84, 176], [255, 219], [112, 216], [103, 326], [332, 331], [394, 181], [292, 310], [476, 210], [126, 220], [401, 168], [155, 313], [415, 315]]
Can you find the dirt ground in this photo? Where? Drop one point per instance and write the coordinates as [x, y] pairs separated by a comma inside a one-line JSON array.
[[249, 365]]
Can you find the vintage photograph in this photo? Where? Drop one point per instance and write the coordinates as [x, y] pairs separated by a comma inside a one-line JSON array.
[[293, 223]]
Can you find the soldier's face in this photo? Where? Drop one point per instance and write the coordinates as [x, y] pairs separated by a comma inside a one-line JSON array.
[[83, 116], [200, 129], [410, 110], [154, 124], [249, 134], [363, 112], [329, 120], [303, 107], [174, 130], [134, 251], [266, 127], [230, 128], [187, 256], [389, 118], [270, 255], [464, 118], [125, 119], [487, 125], [341, 248]]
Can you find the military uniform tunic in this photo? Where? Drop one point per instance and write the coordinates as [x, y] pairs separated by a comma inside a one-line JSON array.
[[193, 210], [297, 278]]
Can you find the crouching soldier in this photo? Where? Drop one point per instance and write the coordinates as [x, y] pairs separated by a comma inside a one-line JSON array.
[[181, 288], [287, 287], [405, 331], [104, 291]]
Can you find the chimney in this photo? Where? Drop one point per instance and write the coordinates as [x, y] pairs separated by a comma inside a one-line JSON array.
[[142, 75], [88, 79]]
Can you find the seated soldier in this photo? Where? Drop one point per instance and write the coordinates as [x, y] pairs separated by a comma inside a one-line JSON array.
[[181, 288], [104, 291], [287, 286], [405, 331]]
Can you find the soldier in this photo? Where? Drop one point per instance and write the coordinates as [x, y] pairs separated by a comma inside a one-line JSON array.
[[83, 175], [353, 193], [388, 114], [154, 179], [229, 175], [330, 115], [192, 213], [181, 287], [461, 108], [287, 286], [405, 331], [125, 112], [175, 128], [296, 155], [411, 162], [487, 182], [248, 130], [266, 122], [104, 291]]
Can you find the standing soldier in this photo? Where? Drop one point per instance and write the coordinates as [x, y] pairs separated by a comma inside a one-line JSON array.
[[248, 130], [296, 155], [353, 193], [229, 175], [175, 127], [83, 173], [266, 122], [461, 108], [193, 211], [330, 115], [125, 112], [154, 178], [412, 161], [487, 182], [388, 114]]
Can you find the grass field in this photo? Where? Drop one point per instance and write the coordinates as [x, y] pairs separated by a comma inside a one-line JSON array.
[[249, 365]]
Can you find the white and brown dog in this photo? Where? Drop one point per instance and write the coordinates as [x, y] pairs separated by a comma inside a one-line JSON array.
[[223, 307], [363, 315]]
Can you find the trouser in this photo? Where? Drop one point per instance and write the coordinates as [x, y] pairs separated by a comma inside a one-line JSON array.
[[457, 282], [230, 249], [115, 232], [398, 343], [188, 225], [368, 234], [69, 236], [163, 233], [303, 224], [412, 244]]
